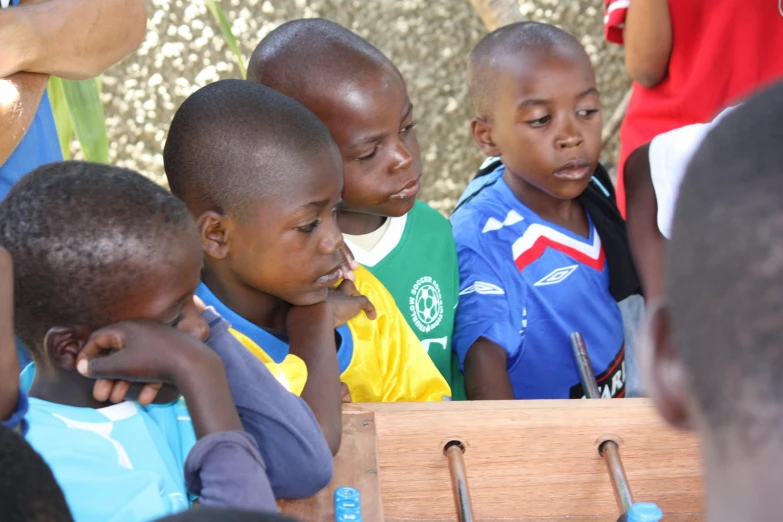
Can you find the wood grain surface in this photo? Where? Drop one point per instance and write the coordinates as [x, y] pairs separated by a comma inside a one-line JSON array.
[[526, 460]]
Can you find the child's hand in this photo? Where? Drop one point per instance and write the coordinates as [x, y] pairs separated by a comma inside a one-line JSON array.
[[347, 303], [9, 363], [117, 390], [349, 263], [143, 352]]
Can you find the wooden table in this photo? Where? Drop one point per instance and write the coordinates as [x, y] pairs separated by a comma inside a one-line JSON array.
[[526, 460]]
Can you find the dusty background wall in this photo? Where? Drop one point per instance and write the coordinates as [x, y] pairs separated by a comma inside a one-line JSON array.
[[429, 40]]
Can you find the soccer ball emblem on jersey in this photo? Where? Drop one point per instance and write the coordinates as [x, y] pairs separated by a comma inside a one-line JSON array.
[[426, 304]]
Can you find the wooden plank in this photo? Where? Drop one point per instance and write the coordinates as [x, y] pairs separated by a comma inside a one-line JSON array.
[[529, 459], [691, 517], [355, 465]]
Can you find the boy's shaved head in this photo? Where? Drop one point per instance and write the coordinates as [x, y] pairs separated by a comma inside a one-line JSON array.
[[82, 237], [310, 55], [725, 283], [510, 40], [227, 134]]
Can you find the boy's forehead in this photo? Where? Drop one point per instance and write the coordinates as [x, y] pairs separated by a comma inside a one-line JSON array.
[[359, 104], [304, 177], [545, 62], [365, 83], [531, 73]]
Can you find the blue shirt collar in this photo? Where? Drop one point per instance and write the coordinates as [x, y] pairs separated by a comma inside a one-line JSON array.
[[276, 348]]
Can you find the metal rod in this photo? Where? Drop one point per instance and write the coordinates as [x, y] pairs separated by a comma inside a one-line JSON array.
[[614, 465], [585, 367], [459, 482], [609, 450]]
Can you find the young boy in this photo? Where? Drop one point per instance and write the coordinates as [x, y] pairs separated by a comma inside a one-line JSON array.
[[362, 98], [263, 179], [541, 254], [717, 358], [107, 262]]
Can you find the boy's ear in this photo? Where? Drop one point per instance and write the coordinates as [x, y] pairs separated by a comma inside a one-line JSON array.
[[665, 376], [213, 228], [482, 134], [63, 343]]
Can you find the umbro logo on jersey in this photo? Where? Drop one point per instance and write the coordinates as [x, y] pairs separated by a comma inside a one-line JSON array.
[[480, 287], [557, 276], [512, 218]]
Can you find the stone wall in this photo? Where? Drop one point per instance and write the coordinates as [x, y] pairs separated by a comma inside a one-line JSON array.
[[429, 40]]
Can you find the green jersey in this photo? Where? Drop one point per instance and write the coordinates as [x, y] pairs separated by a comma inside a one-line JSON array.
[[417, 262]]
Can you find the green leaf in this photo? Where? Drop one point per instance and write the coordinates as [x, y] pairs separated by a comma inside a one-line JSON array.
[[86, 110], [228, 34], [62, 118]]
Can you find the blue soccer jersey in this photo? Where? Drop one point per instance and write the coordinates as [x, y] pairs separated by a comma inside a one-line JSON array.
[[526, 284], [121, 463]]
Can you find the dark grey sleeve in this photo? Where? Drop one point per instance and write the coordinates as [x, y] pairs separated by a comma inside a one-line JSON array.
[[298, 460], [225, 470]]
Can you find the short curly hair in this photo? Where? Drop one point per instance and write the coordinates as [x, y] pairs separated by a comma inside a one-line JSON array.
[[28, 490], [234, 141], [77, 233]]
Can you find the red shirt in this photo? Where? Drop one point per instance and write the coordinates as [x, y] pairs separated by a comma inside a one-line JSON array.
[[722, 51]]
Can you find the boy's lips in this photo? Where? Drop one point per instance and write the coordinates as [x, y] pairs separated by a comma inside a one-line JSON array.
[[409, 190], [574, 171], [328, 280]]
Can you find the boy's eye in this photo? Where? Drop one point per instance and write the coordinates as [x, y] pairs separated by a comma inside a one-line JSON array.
[[539, 122], [408, 128], [369, 156], [586, 113], [309, 227]]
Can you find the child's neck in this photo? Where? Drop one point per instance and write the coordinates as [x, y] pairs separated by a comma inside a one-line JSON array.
[[744, 484], [68, 388], [356, 224], [261, 309], [568, 213]]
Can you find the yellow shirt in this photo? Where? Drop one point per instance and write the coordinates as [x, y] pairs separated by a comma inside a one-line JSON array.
[[380, 360]]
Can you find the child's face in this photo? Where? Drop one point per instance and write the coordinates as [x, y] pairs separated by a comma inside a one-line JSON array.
[[165, 292], [371, 119], [288, 245], [546, 121]]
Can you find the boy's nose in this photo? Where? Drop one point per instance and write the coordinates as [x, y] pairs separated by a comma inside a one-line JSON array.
[[569, 141], [193, 324], [333, 238], [403, 157], [569, 135]]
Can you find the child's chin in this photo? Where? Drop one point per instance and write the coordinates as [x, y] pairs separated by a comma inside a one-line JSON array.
[[399, 207], [308, 298]]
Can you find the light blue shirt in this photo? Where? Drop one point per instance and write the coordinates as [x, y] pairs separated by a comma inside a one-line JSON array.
[[122, 463]]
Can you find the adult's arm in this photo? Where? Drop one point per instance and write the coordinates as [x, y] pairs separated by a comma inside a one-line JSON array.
[[648, 41], [72, 39], [645, 238], [20, 95]]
